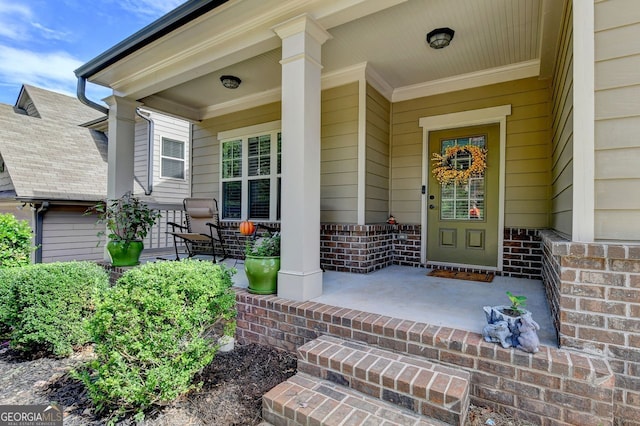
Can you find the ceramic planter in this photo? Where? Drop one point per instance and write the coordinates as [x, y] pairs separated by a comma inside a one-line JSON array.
[[262, 273], [125, 253]]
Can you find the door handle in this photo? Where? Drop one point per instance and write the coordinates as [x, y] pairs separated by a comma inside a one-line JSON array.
[[431, 206]]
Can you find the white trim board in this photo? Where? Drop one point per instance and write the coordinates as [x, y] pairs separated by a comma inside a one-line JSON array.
[[491, 115], [364, 71]]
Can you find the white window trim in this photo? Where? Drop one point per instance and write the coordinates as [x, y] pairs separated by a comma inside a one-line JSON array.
[[184, 159], [497, 114], [244, 133]]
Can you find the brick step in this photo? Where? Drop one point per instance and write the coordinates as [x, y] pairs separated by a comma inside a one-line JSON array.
[[304, 400], [426, 388]]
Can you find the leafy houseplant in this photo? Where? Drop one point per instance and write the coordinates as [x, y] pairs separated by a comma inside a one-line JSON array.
[[517, 305], [128, 221], [266, 246], [262, 263]]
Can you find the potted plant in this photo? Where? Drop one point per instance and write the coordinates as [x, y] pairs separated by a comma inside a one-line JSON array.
[[522, 327], [262, 263], [128, 221]]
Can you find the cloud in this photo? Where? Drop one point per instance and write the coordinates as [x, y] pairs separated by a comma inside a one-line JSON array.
[[12, 19], [150, 8], [50, 34], [49, 70]]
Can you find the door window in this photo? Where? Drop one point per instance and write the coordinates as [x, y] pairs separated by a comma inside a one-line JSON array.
[[463, 201]]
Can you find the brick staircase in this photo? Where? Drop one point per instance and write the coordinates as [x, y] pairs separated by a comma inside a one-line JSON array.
[[342, 381]]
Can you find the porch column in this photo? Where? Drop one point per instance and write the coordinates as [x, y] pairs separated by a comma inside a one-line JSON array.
[[300, 276], [120, 149]]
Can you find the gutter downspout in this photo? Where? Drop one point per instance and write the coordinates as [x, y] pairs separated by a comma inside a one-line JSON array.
[[82, 97], [40, 212], [150, 133]]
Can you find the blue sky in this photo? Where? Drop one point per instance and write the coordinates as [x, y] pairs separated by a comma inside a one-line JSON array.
[[43, 41]]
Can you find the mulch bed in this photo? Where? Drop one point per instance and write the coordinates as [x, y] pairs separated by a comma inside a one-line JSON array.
[[231, 393]]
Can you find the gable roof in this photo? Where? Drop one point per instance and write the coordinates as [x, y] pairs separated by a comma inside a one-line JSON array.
[[48, 154]]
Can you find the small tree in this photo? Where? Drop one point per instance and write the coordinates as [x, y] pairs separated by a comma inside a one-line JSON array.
[[15, 242]]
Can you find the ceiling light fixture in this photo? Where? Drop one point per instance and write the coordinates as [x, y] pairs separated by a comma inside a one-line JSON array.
[[440, 37], [230, 81]]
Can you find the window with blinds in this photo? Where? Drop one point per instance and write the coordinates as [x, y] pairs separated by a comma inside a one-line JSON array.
[[250, 176], [172, 162]]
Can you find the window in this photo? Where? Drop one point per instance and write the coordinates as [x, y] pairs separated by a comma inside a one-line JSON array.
[[172, 159], [250, 172]]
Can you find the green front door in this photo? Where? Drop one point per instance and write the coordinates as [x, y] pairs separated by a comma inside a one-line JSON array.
[[462, 219]]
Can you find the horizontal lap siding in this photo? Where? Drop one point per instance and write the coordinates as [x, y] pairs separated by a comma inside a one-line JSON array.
[[527, 150], [164, 190], [69, 235], [377, 157], [562, 131], [617, 85], [206, 147], [339, 155]]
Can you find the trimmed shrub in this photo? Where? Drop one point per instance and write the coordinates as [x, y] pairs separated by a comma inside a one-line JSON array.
[[49, 304], [7, 307], [15, 242], [155, 330]]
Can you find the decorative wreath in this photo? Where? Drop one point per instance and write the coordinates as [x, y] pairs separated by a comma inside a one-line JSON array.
[[445, 172]]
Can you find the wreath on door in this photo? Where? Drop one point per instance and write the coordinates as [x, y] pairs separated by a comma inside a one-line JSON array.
[[445, 170]]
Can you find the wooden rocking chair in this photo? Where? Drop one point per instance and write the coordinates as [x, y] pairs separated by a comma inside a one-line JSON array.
[[202, 233]]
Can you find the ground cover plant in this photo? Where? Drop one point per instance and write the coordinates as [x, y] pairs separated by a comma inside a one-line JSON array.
[[45, 307], [154, 331], [15, 242]]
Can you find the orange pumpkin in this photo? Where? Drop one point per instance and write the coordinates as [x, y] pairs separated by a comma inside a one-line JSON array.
[[247, 228]]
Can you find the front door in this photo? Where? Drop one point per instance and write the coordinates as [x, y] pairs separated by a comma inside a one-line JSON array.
[[462, 218]]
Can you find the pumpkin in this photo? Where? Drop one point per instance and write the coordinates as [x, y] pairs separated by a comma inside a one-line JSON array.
[[247, 228]]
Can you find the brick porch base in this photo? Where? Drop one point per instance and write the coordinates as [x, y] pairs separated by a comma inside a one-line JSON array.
[[551, 387]]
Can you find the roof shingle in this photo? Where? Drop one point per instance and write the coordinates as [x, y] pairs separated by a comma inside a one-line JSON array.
[[52, 157]]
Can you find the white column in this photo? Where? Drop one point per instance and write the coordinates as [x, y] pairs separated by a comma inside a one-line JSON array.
[[300, 276], [583, 228], [121, 145]]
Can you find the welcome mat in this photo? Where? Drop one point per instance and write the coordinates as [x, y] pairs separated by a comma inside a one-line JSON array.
[[485, 277]]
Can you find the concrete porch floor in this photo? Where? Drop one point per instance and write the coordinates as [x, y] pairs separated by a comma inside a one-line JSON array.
[[408, 293]]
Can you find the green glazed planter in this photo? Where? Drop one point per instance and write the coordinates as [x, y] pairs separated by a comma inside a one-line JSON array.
[[262, 273], [125, 253]]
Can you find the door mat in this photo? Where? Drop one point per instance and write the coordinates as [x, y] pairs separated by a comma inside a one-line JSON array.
[[485, 277]]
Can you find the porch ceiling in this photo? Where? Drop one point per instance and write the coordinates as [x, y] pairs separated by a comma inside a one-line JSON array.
[[388, 35]]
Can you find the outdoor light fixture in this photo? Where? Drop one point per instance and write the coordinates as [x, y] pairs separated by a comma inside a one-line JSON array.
[[440, 37], [230, 81]]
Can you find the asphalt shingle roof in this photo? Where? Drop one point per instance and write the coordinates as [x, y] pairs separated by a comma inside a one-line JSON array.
[[52, 157]]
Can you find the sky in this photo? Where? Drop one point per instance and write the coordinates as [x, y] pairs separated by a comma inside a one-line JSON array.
[[43, 41]]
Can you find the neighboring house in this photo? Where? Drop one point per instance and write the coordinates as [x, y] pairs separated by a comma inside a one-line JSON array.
[[339, 106], [53, 153]]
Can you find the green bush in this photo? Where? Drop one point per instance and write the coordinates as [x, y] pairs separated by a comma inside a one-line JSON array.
[[7, 307], [154, 330], [15, 242], [48, 304]]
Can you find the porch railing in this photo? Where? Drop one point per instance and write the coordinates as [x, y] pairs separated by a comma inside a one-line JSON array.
[[158, 239]]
